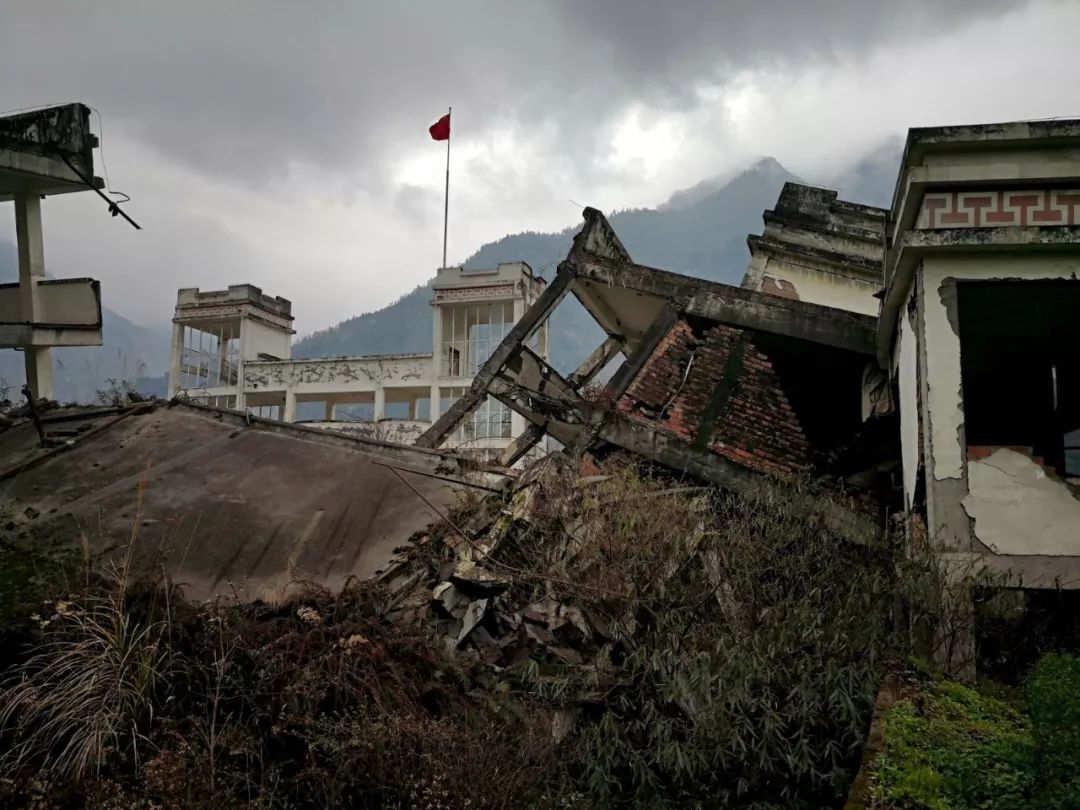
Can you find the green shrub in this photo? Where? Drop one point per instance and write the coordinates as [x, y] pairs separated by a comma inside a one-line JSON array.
[[948, 747], [1053, 694]]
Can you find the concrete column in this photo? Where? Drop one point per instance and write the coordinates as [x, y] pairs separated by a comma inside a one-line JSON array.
[[329, 414], [288, 413], [436, 339], [242, 352], [175, 356], [433, 409], [31, 251], [380, 403]]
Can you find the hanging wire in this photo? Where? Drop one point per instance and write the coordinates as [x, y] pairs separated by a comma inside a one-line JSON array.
[[121, 197]]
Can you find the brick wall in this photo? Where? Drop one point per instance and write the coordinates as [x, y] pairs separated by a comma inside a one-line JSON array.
[[730, 382]]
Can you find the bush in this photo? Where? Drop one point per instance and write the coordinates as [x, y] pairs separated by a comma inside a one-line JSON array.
[[949, 746], [1053, 695], [745, 641]]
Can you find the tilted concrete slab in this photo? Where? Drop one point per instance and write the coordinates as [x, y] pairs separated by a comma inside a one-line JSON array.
[[727, 382], [230, 506]]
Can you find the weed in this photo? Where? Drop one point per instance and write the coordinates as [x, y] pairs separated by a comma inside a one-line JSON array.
[[88, 690], [950, 746]]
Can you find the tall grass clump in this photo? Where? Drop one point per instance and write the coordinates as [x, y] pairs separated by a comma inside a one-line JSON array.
[[87, 691]]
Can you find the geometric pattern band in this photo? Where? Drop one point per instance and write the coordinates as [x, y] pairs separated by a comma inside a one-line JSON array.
[[999, 209], [221, 312], [472, 293]]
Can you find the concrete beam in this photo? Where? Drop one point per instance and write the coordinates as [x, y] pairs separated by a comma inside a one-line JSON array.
[[708, 466], [518, 336], [545, 413], [598, 239], [737, 306], [521, 445], [663, 323], [595, 362]]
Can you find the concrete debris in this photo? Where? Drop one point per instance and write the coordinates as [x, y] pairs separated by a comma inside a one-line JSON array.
[[471, 579], [479, 610]]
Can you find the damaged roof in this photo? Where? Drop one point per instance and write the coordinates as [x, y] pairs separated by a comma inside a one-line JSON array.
[[723, 383], [229, 504], [812, 225]]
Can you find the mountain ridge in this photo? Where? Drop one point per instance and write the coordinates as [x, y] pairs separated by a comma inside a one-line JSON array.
[[698, 231], [702, 234]]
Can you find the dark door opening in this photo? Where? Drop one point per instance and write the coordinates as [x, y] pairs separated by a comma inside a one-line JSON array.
[[1020, 367]]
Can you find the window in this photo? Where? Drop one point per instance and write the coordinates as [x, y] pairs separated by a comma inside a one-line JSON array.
[[228, 402], [470, 333], [208, 359], [490, 420]]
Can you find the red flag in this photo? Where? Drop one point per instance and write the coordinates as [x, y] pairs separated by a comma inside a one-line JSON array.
[[440, 130]]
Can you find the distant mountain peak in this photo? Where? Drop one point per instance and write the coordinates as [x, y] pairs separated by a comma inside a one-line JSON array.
[[768, 167]]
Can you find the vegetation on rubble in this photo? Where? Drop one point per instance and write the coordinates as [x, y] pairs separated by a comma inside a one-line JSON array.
[[745, 642], [634, 641], [950, 746]]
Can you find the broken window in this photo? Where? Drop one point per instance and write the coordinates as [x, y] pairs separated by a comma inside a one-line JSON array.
[[1020, 369]]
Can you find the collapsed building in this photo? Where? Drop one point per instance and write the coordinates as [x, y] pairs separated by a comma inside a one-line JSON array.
[[923, 355], [920, 358]]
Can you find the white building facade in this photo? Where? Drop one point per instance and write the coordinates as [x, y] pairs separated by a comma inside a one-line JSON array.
[[232, 349]]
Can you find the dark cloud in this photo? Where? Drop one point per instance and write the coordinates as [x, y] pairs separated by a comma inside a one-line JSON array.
[[241, 89]]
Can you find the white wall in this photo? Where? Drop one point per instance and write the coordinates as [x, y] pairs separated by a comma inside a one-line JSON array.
[[829, 289], [907, 373], [340, 375], [258, 337]]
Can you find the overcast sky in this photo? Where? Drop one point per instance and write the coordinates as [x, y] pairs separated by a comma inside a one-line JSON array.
[[286, 144]]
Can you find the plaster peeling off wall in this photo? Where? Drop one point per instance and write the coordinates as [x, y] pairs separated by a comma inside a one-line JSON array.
[[820, 287], [946, 452], [1019, 509], [943, 380], [907, 373]]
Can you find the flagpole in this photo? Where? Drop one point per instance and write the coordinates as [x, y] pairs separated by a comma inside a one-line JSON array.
[[446, 198]]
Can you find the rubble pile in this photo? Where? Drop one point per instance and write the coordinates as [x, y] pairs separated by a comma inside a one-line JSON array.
[[672, 622], [484, 594], [12, 415], [617, 638]]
